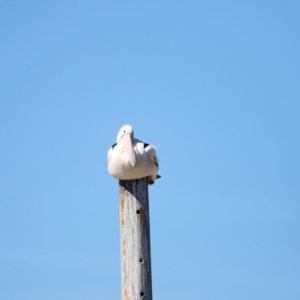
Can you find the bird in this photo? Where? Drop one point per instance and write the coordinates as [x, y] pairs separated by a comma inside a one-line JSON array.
[[130, 159]]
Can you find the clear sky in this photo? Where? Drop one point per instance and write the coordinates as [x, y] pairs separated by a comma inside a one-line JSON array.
[[215, 85]]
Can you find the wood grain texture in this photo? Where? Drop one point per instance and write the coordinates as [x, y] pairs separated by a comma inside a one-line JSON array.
[[135, 240]]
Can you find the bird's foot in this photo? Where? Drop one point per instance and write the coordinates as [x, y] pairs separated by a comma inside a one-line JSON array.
[[151, 181]]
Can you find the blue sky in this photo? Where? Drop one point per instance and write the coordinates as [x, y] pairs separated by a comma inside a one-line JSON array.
[[213, 84]]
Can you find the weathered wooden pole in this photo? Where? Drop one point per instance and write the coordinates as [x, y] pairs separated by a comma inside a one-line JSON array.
[[135, 240]]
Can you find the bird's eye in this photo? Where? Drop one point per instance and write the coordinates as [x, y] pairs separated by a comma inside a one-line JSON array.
[[124, 130]]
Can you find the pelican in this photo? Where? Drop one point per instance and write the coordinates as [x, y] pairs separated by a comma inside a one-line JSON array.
[[130, 159]]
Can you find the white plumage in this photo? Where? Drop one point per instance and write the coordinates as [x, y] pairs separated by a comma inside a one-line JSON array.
[[131, 159]]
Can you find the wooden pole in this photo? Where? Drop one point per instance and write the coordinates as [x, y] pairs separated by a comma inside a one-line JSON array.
[[135, 240]]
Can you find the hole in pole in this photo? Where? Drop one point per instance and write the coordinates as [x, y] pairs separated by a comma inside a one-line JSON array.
[[138, 211], [141, 260], [142, 294]]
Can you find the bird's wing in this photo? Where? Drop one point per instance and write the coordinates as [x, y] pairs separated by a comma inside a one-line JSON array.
[[150, 151], [110, 151], [109, 154]]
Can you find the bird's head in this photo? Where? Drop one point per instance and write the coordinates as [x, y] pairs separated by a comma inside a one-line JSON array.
[[126, 129]]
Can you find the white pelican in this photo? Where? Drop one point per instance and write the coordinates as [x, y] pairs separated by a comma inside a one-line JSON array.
[[131, 159]]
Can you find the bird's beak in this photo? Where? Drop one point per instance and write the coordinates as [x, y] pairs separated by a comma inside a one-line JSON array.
[[129, 148]]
